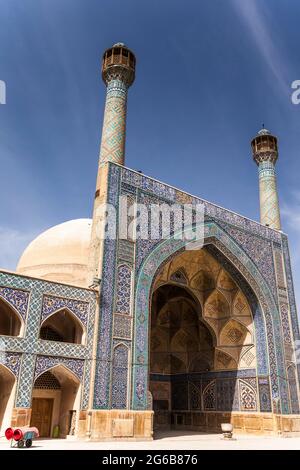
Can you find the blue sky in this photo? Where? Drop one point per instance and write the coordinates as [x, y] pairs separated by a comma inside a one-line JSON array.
[[209, 72]]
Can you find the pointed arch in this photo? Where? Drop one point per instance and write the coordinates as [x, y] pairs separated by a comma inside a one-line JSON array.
[[234, 258], [60, 366], [63, 325], [11, 322], [60, 386]]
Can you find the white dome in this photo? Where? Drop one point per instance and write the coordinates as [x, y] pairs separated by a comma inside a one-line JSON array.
[[59, 254]]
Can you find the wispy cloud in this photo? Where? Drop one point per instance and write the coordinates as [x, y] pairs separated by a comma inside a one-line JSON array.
[[257, 23], [291, 218], [13, 243]]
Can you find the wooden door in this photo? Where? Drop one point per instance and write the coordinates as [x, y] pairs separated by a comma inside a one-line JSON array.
[[41, 415]]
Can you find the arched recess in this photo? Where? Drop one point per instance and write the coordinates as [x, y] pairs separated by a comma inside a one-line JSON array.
[[11, 323], [63, 326], [56, 401], [7, 397], [181, 344], [120, 376], [266, 314]]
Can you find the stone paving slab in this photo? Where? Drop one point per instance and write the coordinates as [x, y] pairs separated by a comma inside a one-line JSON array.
[[171, 441]]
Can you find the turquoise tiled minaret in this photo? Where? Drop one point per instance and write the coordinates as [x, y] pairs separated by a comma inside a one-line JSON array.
[[265, 154], [118, 73]]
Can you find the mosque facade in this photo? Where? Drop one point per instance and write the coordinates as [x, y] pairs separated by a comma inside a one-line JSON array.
[[109, 336]]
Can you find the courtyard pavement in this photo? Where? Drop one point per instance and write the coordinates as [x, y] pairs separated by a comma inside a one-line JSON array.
[[171, 441]]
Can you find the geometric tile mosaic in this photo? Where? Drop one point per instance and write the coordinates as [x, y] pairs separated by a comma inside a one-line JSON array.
[[11, 360], [82, 302], [246, 250], [44, 363], [119, 377], [122, 326], [17, 298], [52, 304], [247, 238], [123, 291]]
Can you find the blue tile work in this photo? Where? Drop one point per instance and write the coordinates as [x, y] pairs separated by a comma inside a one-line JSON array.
[[17, 298], [248, 395], [288, 317], [119, 392], [290, 287], [264, 394], [123, 292], [126, 251], [167, 249], [122, 326], [291, 300], [44, 363], [11, 360], [258, 249], [30, 346], [168, 193], [221, 391], [104, 352], [248, 247], [256, 265], [26, 380], [52, 304], [242, 246]]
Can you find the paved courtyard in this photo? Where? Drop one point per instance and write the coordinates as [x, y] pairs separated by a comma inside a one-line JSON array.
[[172, 441]]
